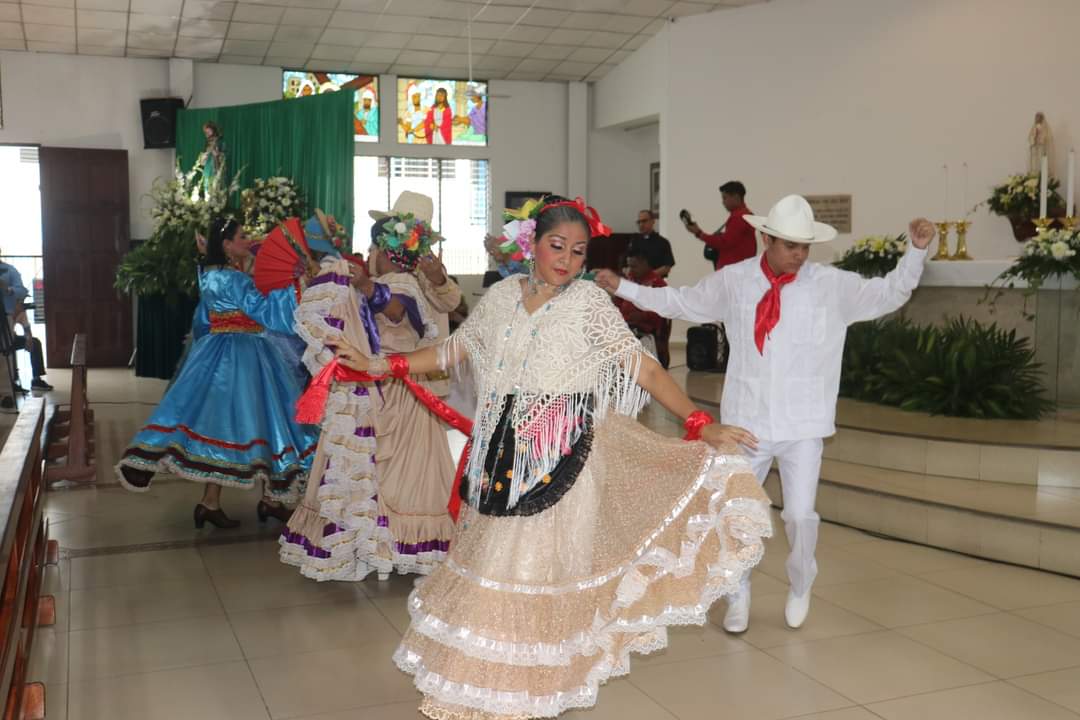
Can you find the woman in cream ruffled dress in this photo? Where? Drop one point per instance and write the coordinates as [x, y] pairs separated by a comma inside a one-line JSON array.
[[583, 535]]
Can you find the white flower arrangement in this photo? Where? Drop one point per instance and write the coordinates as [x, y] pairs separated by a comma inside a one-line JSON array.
[[275, 199], [874, 255], [1050, 253], [1053, 244], [1019, 195]]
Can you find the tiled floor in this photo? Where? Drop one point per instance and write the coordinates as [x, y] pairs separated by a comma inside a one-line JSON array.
[[158, 621]]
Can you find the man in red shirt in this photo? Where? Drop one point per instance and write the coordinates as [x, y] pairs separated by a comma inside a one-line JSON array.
[[735, 241]]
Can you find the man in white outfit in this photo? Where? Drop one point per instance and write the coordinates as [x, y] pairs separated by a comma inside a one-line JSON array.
[[783, 374]]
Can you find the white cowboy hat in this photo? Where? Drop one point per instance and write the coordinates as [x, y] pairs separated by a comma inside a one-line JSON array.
[[792, 219], [418, 205]]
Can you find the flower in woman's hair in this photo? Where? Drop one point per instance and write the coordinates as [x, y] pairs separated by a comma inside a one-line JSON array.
[[400, 227]]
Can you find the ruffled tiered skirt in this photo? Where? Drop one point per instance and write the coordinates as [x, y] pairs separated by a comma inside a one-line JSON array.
[[528, 616], [334, 534], [373, 504], [228, 420]]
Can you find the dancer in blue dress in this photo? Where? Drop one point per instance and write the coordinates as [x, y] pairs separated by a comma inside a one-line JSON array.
[[227, 421]]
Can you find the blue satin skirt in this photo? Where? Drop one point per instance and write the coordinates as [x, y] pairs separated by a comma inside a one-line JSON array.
[[228, 419]]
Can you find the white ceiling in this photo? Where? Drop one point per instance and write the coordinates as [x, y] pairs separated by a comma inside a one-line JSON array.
[[510, 39]]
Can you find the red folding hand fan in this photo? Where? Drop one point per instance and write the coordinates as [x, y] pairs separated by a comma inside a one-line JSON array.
[[282, 258]]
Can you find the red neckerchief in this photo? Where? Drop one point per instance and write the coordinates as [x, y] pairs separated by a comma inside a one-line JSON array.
[[768, 309]]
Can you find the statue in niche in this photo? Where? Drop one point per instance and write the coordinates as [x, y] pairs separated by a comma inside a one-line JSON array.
[[1040, 144], [211, 162]]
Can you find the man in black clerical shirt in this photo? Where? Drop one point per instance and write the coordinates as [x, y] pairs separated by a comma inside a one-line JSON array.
[[654, 246]]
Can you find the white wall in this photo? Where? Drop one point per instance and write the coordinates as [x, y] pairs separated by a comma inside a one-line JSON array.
[[87, 102], [869, 98], [220, 85], [619, 162], [637, 88], [82, 101]]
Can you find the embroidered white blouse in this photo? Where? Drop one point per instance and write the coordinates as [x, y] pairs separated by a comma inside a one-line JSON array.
[[789, 392]]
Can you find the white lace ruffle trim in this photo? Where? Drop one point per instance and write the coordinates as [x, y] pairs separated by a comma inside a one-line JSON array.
[[747, 520]]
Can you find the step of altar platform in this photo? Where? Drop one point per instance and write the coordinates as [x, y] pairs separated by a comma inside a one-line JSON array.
[[989, 454], [1028, 525]]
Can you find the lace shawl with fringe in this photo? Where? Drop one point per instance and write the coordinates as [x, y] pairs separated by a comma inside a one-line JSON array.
[[569, 364]]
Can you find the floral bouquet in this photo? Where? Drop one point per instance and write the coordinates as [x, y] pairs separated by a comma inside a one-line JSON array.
[[1051, 252], [272, 201], [873, 256], [165, 264], [1019, 197]]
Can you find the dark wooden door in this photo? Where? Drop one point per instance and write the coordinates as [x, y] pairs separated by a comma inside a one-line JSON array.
[[85, 230]]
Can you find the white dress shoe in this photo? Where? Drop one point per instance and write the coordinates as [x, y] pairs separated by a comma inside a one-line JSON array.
[[797, 608], [737, 617], [384, 576]]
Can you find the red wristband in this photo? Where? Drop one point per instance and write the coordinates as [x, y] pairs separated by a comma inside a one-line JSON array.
[[695, 423], [399, 366]]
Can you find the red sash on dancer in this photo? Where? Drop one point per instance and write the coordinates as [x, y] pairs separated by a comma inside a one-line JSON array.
[[310, 407]]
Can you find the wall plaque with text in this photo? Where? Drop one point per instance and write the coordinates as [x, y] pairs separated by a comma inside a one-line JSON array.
[[832, 210]]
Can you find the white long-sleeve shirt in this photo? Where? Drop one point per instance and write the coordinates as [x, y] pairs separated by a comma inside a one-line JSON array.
[[789, 392]]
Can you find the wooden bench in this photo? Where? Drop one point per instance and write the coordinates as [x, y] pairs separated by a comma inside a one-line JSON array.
[[71, 433], [26, 550]]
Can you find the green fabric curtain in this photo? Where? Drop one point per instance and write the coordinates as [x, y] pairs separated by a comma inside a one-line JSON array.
[[307, 139]]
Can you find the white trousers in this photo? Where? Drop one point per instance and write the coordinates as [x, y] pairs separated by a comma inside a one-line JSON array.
[[800, 468]]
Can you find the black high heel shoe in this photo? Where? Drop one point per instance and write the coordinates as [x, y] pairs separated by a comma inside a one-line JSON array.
[[217, 518], [266, 510]]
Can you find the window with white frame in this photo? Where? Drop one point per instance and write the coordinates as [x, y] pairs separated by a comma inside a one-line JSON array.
[[459, 188]]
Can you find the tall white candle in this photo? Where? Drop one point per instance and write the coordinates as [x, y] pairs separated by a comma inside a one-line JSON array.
[[1043, 180], [945, 199], [963, 196], [1070, 199]]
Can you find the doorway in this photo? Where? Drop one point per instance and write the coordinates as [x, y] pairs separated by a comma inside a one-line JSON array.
[[20, 204]]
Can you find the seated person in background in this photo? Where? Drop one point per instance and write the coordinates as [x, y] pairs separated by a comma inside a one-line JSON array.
[[15, 294], [645, 325], [655, 247]]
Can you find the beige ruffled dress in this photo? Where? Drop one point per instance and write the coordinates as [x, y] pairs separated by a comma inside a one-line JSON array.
[[583, 534], [377, 496]]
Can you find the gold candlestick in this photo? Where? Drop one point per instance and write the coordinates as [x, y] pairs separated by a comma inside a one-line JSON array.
[[961, 241], [1043, 224], [943, 240], [1070, 222]]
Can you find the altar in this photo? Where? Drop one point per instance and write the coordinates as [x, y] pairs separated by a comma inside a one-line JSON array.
[[974, 273], [1050, 317]]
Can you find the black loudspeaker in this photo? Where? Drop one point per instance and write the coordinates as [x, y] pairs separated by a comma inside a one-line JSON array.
[[707, 348], [159, 121], [702, 347]]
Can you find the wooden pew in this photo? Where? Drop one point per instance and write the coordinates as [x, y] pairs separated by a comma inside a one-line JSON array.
[[25, 550], [71, 433]]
